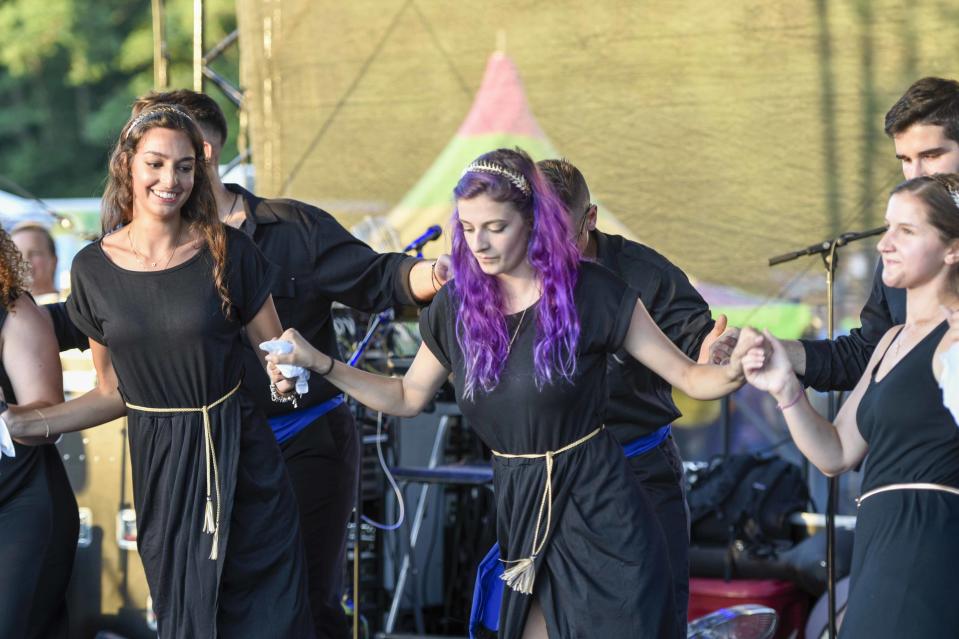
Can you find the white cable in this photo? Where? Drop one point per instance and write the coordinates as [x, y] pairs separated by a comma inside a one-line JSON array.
[[389, 478]]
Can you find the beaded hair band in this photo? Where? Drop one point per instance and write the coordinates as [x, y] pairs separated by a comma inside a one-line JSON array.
[[517, 179], [154, 112]]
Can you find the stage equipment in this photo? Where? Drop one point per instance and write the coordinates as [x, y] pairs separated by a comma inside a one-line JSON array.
[[417, 245], [376, 321], [439, 474], [829, 251]]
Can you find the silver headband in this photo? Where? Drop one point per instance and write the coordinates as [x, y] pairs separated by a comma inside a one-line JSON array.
[[154, 112], [516, 179]]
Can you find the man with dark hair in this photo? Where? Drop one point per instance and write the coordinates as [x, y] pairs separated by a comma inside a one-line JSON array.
[[924, 127], [202, 107], [641, 406], [38, 248], [319, 262]]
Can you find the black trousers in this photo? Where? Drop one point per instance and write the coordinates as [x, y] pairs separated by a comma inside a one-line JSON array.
[[38, 540], [322, 461], [660, 474]]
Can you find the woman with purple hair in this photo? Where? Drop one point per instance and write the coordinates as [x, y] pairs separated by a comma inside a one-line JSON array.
[[525, 328]]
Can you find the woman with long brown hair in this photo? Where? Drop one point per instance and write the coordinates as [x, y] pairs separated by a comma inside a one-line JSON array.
[[905, 556], [164, 297], [38, 512]]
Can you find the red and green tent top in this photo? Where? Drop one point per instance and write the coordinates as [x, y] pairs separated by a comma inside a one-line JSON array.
[[500, 117]]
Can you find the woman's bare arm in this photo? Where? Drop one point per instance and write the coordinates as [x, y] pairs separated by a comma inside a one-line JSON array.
[[31, 426]]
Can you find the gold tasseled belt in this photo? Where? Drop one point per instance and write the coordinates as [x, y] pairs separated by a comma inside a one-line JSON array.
[[211, 519], [521, 576]]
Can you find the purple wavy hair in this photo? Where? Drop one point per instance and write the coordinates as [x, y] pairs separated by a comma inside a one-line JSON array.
[[480, 321]]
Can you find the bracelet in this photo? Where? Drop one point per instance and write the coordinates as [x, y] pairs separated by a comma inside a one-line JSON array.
[[278, 398], [328, 370], [433, 281], [45, 422], [799, 395]]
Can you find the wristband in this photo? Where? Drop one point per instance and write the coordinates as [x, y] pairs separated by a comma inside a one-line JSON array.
[[799, 395], [328, 370]]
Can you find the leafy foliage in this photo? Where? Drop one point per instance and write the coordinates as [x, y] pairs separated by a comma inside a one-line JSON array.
[[69, 70]]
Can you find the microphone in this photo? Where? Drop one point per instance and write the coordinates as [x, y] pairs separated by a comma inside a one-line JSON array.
[[431, 234]]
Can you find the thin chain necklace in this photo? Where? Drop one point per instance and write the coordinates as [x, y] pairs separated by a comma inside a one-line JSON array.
[[516, 332], [230, 213], [141, 260]]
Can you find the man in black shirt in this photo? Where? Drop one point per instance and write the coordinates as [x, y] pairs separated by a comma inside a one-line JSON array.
[[924, 127], [319, 262], [641, 406]]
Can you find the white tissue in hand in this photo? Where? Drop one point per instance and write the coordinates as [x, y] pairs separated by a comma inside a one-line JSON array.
[[283, 347], [950, 380], [6, 443]]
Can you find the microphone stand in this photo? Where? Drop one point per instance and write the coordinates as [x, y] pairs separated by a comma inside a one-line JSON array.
[[828, 250]]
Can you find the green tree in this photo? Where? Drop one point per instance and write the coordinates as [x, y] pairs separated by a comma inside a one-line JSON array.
[[69, 70]]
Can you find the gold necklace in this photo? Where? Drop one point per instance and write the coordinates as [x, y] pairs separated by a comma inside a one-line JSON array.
[[516, 332], [141, 260]]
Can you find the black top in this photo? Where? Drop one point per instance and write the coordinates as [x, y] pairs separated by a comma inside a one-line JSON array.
[[68, 335], [170, 343], [516, 417], [173, 348], [838, 364], [912, 436], [319, 262], [640, 401]]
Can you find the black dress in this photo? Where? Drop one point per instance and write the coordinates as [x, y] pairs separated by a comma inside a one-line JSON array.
[[39, 526], [906, 556], [172, 347], [604, 571]]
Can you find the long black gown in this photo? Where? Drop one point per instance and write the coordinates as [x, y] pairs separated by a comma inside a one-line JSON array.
[[39, 526], [172, 347], [906, 554], [604, 571]]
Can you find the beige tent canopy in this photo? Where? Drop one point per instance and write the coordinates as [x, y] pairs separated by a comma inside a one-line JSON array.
[[720, 133], [500, 117]]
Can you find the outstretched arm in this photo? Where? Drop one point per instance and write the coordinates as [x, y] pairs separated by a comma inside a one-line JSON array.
[[833, 449], [645, 342], [403, 396]]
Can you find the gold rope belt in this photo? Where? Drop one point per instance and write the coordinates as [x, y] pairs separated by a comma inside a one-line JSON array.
[[522, 576], [211, 521], [913, 486]]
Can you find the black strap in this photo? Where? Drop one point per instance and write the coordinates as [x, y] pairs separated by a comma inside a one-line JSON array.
[[885, 352]]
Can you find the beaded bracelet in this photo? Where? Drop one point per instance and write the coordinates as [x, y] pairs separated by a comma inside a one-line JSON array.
[[278, 398]]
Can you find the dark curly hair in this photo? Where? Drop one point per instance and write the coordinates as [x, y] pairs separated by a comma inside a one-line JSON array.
[[14, 271]]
